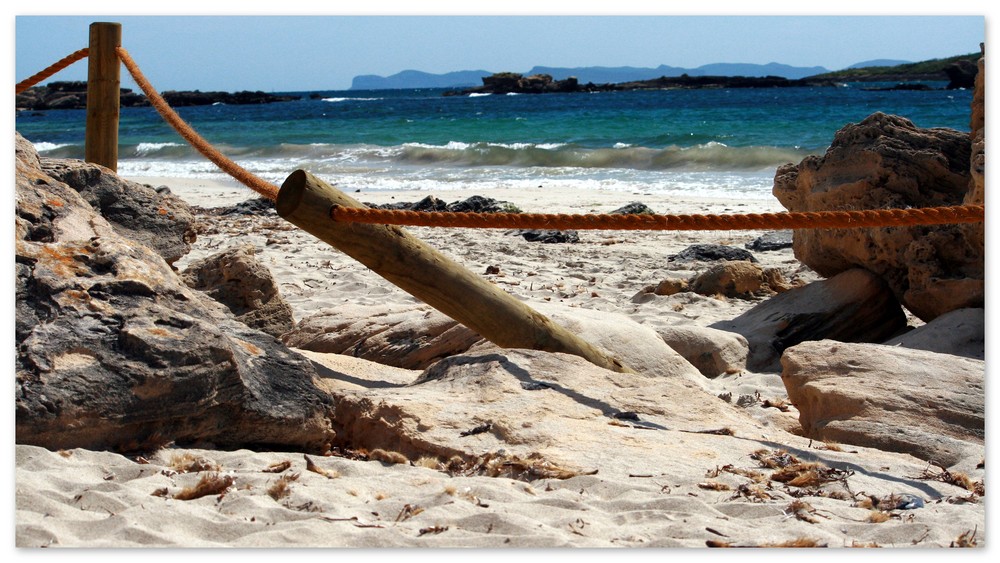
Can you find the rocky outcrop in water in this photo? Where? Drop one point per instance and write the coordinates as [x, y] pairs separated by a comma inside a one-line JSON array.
[[68, 95], [961, 74], [73, 95], [514, 83]]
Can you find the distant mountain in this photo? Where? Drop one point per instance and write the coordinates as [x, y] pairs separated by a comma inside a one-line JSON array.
[[877, 62], [615, 75], [595, 74], [419, 79], [752, 70]]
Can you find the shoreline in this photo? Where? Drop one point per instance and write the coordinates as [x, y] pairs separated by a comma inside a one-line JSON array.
[[619, 263], [207, 192]]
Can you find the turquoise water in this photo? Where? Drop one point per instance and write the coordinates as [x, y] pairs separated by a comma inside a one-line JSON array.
[[718, 143]]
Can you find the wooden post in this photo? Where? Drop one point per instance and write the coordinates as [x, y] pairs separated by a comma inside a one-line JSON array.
[[428, 275], [103, 92]]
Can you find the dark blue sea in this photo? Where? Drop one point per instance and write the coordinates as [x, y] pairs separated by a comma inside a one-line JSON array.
[[714, 143]]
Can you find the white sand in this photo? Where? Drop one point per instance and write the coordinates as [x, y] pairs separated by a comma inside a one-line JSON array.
[[99, 499]]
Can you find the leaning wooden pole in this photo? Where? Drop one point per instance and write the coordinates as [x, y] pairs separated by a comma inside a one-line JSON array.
[[103, 93], [428, 275]]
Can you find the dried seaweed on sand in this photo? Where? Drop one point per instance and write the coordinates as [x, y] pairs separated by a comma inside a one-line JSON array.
[[209, 484]]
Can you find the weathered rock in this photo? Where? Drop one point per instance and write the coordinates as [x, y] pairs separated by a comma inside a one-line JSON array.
[[670, 286], [161, 221], [977, 122], [512, 82], [471, 204], [429, 203], [731, 279], [73, 95], [480, 204], [255, 206], [415, 337], [113, 351], [887, 162], [69, 95], [961, 332], [711, 253], [776, 240], [550, 237], [634, 208], [775, 280], [929, 405], [412, 337], [637, 346], [714, 352], [235, 278], [25, 152], [854, 306], [961, 74], [528, 403], [977, 163]]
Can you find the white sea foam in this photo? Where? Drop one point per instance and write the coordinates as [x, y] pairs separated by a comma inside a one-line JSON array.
[[334, 100], [350, 173], [46, 147], [146, 149]]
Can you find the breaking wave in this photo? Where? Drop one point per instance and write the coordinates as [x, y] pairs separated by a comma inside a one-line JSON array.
[[708, 156]]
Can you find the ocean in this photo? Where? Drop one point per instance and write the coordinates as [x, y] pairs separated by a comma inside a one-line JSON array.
[[722, 143]]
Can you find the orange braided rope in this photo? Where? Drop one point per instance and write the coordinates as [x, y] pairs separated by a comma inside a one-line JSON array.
[[264, 188], [54, 68], [694, 222]]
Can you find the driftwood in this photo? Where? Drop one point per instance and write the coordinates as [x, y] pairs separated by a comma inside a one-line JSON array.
[[428, 275]]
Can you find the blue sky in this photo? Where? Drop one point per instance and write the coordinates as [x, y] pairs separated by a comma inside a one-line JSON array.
[[286, 53]]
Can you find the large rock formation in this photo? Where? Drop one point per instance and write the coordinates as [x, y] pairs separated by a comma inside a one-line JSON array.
[[416, 337], [854, 306], [526, 403], [738, 278], [114, 352], [961, 74], [411, 337], [926, 404], [977, 163], [887, 162], [961, 332], [157, 219], [235, 278], [714, 352]]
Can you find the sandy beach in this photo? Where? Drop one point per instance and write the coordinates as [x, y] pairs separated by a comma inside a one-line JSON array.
[[682, 486]]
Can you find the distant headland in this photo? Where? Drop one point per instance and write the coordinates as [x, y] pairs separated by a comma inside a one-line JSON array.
[[73, 95], [595, 74], [959, 71], [513, 83]]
